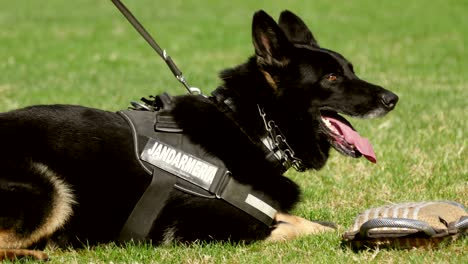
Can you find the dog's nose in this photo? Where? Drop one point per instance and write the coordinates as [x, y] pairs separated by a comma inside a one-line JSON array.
[[389, 100]]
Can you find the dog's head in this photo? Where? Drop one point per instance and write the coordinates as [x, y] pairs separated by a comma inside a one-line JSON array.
[[311, 86]]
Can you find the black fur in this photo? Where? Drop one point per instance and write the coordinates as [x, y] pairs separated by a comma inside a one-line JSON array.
[[291, 77]]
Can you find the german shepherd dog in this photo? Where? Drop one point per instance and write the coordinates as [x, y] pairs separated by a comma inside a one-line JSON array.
[[69, 175]]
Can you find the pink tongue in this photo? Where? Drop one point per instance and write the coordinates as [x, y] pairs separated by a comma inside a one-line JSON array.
[[352, 137]]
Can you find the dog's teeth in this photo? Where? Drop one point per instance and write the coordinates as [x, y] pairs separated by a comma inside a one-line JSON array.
[[327, 123], [331, 127]]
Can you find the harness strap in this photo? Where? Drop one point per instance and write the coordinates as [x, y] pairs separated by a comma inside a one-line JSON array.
[[149, 206], [250, 201]]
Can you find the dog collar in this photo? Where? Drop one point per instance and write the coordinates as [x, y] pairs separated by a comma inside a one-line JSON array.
[[277, 144], [277, 153]]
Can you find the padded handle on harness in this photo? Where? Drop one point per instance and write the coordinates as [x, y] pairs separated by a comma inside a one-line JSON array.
[[165, 101], [165, 122]]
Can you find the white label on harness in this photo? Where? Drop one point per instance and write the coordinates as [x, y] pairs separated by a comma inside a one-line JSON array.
[[183, 165], [261, 205]]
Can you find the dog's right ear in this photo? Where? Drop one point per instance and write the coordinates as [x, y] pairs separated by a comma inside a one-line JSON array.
[[271, 44], [296, 30]]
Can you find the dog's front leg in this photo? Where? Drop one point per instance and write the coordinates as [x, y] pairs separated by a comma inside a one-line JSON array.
[[290, 227], [13, 254]]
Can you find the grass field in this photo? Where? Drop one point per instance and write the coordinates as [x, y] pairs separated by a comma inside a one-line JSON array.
[[84, 52]]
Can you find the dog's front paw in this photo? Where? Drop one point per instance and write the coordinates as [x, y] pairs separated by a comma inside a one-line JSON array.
[[290, 227]]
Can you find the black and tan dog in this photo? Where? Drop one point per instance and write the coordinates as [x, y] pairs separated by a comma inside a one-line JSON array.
[[69, 174]]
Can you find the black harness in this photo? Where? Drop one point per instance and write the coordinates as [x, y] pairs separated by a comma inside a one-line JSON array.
[[174, 162]]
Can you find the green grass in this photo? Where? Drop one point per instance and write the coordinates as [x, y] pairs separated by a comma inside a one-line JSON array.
[[84, 52]]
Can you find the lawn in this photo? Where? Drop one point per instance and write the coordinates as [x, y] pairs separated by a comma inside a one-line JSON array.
[[84, 52]]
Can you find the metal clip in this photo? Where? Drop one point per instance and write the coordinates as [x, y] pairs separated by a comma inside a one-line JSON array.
[[141, 106], [195, 91]]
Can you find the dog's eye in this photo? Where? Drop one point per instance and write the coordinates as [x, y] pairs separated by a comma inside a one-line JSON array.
[[331, 77]]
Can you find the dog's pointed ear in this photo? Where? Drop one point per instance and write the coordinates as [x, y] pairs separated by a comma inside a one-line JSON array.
[[272, 47], [296, 30]]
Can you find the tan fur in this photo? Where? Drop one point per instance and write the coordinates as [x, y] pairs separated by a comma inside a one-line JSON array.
[[63, 200], [14, 254], [291, 227], [270, 80]]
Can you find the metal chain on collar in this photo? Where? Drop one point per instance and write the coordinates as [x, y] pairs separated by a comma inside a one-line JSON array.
[[288, 157]]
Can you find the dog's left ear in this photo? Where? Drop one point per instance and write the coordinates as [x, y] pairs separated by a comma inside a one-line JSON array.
[[272, 47], [296, 30]]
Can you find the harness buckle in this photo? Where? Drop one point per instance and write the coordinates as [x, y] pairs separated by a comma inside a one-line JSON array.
[[222, 183]]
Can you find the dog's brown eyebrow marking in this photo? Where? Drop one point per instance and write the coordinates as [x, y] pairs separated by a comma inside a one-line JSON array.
[[346, 66]]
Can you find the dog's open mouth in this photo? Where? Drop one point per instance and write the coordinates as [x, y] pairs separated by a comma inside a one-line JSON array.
[[345, 139]]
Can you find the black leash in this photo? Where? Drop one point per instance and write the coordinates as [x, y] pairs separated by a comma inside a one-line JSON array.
[[140, 29]]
